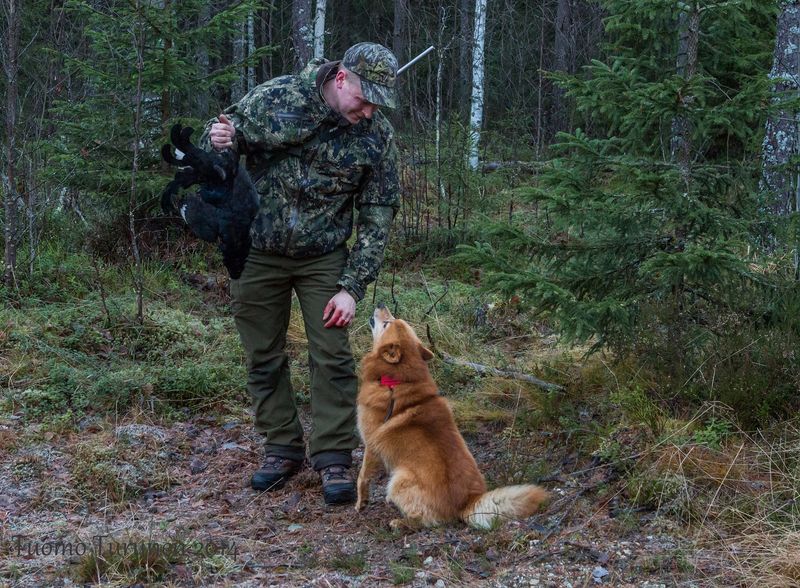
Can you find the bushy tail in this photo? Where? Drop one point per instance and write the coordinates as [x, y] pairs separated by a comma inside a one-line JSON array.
[[509, 502]]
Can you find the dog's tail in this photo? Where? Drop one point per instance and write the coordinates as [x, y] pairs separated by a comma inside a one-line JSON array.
[[509, 502]]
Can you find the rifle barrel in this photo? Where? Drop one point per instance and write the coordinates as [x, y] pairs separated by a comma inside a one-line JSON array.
[[416, 59]]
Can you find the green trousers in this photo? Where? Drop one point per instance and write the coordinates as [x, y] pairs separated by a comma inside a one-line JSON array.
[[262, 301]]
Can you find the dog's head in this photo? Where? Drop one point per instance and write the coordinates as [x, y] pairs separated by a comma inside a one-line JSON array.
[[394, 341]]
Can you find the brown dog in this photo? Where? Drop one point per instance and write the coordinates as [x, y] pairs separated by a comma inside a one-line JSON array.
[[409, 428]]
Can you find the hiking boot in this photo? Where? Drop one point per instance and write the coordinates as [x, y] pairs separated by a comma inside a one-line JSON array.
[[337, 485], [274, 473]]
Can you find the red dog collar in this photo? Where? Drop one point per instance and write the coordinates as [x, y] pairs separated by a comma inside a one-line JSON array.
[[389, 381]]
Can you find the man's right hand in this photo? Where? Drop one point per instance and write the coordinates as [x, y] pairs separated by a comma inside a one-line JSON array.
[[222, 133]]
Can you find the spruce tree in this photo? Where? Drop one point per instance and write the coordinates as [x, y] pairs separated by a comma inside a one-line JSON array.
[[648, 215], [92, 150]]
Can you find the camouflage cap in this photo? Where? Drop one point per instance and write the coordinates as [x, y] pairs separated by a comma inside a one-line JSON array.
[[377, 68]]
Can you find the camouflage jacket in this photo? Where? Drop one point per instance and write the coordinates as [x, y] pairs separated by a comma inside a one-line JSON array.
[[308, 197]]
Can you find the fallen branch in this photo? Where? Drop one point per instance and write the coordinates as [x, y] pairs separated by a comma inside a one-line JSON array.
[[490, 371]]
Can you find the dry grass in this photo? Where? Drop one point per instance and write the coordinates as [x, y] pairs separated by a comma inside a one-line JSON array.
[[739, 500]]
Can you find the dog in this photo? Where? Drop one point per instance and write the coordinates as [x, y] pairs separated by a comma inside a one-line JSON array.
[[409, 428]]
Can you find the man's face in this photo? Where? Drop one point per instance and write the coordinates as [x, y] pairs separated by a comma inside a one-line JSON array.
[[351, 102]]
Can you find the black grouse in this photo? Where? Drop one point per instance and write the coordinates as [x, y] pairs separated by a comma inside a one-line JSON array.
[[223, 207]]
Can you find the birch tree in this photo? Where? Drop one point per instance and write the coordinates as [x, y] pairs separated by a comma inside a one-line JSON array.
[[781, 132], [239, 84], [302, 32], [251, 49], [319, 29], [476, 110]]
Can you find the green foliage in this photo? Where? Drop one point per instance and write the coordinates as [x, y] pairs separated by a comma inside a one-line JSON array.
[[713, 433], [635, 250], [639, 408], [351, 563], [72, 353], [137, 60]]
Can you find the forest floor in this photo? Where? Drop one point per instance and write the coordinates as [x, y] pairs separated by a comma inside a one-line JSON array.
[[136, 495], [235, 536]]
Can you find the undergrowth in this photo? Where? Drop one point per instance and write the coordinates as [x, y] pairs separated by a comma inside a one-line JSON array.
[[72, 357]]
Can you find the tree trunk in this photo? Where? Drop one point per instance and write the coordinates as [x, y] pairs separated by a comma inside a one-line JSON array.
[[686, 66], [399, 31], [165, 96], [302, 32], [319, 29], [464, 52], [399, 48], [781, 130], [564, 45], [13, 9], [200, 99], [138, 273], [440, 51], [251, 49], [239, 84], [476, 111]]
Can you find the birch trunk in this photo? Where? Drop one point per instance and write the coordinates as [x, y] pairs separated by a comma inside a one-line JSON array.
[[302, 33], [251, 49], [440, 50], [781, 129], [476, 110], [239, 84], [319, 29]]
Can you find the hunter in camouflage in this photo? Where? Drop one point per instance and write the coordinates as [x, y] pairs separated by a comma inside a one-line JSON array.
[[307, 199], [319, 152]]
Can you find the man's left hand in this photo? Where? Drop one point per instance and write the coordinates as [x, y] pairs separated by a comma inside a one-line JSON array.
[[340, 310]]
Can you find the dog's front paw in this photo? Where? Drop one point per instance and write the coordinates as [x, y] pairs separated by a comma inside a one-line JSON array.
[[360, 503]]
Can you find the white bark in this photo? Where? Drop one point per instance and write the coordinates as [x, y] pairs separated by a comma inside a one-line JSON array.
[[319, 29], [476, 111], [439, 75], [238, 87], [302, 32], [781, 141], [251, 48]]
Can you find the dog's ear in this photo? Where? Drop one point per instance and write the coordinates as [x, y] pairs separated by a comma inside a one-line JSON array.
[[426, 353], [391, 353]]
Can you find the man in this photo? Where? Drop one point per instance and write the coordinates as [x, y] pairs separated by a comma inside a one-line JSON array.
[[317, 147]]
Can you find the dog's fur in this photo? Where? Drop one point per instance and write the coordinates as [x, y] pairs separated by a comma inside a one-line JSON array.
[[410, 429]]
